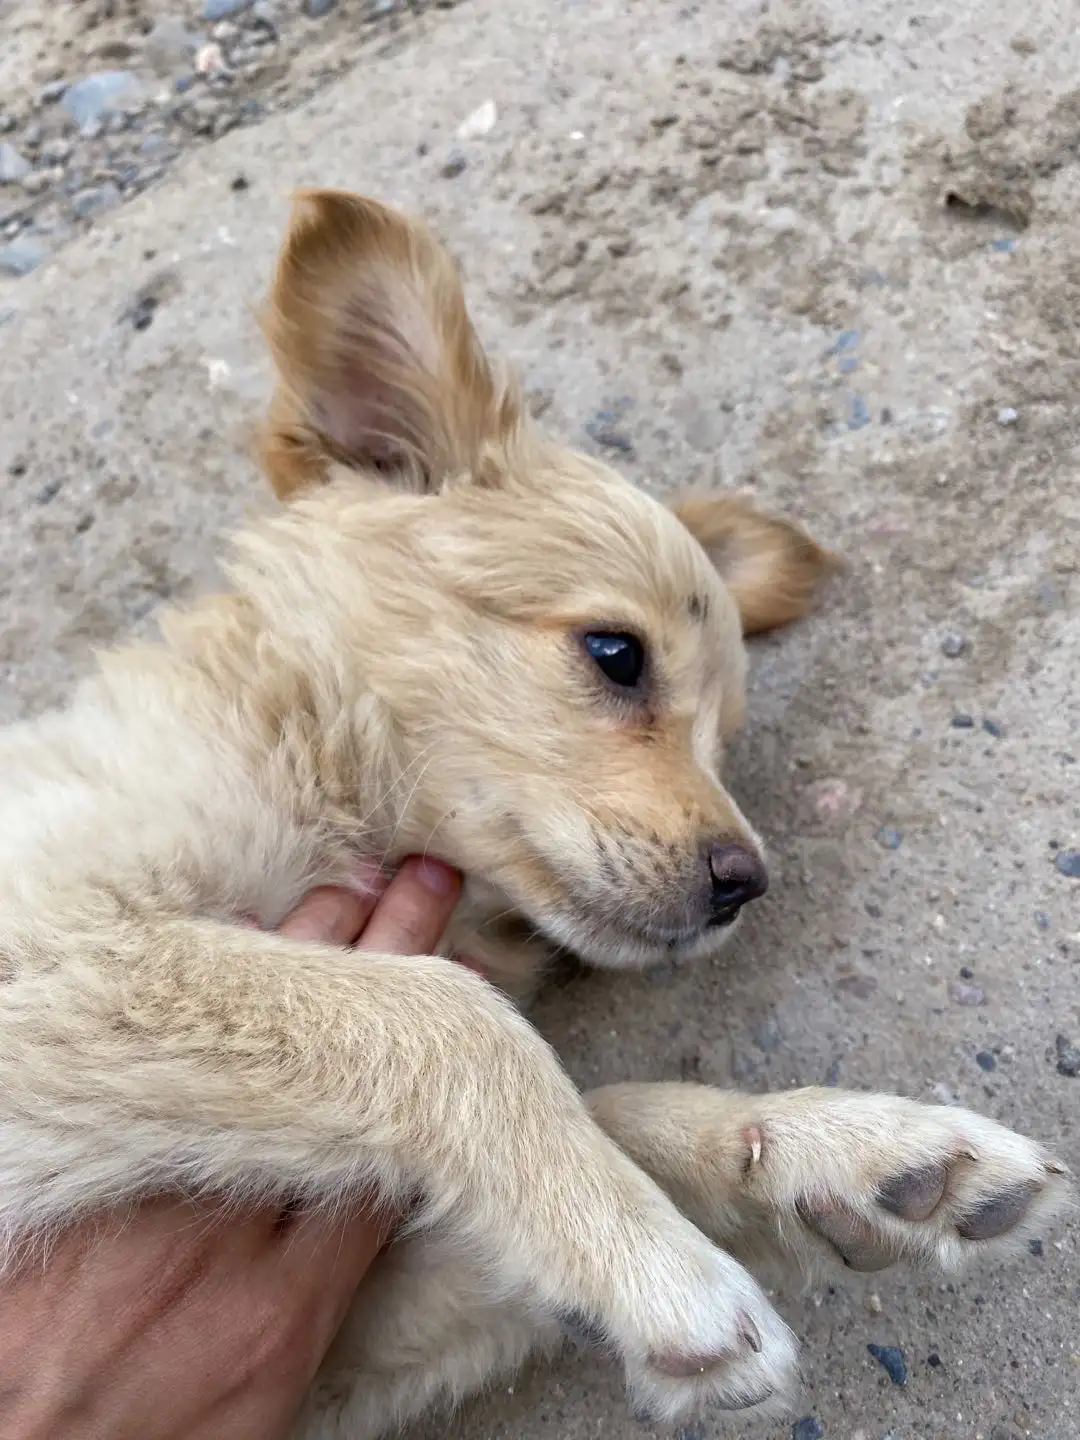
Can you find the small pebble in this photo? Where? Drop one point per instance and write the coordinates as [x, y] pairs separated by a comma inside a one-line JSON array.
[[481, 122], [142, 312], [833, 799], [95, 200], [1068, 1057], [56, 151], [696, 1431], [1047, 595], [91, 99], [962, 722], [767, 1034], [13, 166], [1007, 415], [966, 972], [1068, 862], [453, 166], [985, 1060], [239, 183], [858, 413], [1035, 1247], [808, 1428], [846, 340], [605, 434], [953, 645], [963, 994], [933, 1360], [1042, 920], [48, 492], [210, 60], [889, 838], [861, 986], [36, 182], [215, 10], [992, 728], [316, 9], [891, 1359], [51, 92], [377, 9], [21, 256], [168, 46]]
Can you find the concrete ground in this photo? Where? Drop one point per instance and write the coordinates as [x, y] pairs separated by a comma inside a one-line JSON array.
[[717, 238]]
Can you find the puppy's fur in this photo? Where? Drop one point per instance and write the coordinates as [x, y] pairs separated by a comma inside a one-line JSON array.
[[400, 667]]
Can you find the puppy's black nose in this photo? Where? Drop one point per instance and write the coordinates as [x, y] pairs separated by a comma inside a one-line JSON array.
[[738, 876]]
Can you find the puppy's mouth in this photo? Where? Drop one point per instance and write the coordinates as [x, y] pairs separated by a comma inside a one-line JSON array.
[[724, 919], [607, 934]]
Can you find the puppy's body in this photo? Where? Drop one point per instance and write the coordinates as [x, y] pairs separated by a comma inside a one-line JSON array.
[[437, 646]]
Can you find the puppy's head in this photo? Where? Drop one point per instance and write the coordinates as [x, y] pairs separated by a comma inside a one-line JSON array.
[[562, 656]]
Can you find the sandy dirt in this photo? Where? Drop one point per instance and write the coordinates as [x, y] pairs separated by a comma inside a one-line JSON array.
[[827, 251]]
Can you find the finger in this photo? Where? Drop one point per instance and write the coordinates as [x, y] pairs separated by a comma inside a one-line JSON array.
[[336, 915], [412, 915]]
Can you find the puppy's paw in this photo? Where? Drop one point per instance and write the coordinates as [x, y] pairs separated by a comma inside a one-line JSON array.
[[714, 1340], [881, 1180]]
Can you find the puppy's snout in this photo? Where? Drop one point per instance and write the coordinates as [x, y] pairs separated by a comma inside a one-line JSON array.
[[738, 876]]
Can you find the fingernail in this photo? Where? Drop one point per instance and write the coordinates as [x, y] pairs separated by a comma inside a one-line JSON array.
[[440, 879]]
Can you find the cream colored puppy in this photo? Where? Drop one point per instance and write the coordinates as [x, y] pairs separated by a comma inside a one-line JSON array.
[[457, 638]]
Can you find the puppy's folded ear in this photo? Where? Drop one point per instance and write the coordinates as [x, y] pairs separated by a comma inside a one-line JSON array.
[[379, 367], [772, 568]]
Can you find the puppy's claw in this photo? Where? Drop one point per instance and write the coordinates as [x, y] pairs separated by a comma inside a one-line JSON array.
[[752, 1139], [749, 1332], [744, 1402]]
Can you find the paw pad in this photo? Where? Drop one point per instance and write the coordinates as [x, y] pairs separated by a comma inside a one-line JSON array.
[[914, 1194], [854, 1239], [917, 1196], [998, 1214]]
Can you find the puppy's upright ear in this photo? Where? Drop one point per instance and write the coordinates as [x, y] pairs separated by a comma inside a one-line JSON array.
[[379, 367], [771, 566]]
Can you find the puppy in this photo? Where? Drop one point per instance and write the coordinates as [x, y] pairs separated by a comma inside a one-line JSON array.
[[455, 638]]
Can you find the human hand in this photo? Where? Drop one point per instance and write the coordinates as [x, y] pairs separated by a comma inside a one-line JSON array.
[[187, 1320]]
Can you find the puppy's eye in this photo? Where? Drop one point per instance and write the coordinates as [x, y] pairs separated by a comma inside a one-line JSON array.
[[620, 657]]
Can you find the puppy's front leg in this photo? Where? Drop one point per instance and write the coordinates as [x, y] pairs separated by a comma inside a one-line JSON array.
[[806, 1174], [189, 1055]]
